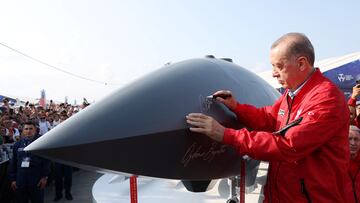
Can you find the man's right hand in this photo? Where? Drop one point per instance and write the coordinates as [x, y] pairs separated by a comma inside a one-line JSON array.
[[356, 91], [13, 185], [226, 97]]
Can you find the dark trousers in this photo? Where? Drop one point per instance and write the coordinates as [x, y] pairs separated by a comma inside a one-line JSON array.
[[34, 194], [63, 178]]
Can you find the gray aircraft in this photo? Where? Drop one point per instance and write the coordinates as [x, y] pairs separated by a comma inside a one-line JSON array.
[[141, 128]]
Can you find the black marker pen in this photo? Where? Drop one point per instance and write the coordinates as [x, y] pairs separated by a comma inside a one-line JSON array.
[[224, 96]]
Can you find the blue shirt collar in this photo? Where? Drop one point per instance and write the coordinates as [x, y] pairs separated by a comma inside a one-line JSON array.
[[292, 94]]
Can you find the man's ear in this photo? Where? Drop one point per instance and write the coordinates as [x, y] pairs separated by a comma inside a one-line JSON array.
[[302, 63]]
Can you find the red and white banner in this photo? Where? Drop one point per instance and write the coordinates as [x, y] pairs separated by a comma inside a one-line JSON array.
[[42, 101]]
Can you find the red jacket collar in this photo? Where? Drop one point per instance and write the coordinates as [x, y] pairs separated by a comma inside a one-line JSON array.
[[314, 78]]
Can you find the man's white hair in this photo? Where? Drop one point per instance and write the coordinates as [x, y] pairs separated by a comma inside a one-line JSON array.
[[354, 128]]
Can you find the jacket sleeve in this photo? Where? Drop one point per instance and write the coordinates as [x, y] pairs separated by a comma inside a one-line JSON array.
[[13, 164], [299, 141], [263, 119], [352, 102]]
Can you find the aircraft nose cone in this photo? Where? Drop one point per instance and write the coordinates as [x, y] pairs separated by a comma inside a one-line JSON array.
[[141, 128]]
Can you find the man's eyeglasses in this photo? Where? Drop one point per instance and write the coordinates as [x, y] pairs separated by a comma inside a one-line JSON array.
[[28, 128]]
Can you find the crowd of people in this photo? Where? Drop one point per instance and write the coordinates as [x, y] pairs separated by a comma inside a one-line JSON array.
[[13, 119], [29, 174]]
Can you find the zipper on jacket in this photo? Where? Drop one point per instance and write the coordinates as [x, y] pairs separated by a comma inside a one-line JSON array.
[[289, 108], [277, 170], [304, 191]]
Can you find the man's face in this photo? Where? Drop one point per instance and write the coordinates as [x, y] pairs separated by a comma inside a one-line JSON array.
[[42, 118], [63, 118], [29, 131], [354, 141], [7, 123], [285, 68]]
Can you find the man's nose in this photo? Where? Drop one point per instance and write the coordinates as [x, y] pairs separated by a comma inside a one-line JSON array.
[[275, 74]]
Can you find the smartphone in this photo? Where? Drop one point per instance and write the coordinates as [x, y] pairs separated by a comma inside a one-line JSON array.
[[357, 84]]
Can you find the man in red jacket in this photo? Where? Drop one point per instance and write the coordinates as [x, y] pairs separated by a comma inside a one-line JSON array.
[[353, 189], [355, 116], [304, 135]]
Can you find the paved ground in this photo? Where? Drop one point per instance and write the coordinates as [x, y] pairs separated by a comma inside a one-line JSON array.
[[81, 188]]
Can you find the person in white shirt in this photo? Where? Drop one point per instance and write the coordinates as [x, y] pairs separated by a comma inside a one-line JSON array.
[[56, 120], [44, 125]]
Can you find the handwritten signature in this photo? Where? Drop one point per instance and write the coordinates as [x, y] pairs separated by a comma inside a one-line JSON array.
[[196, 151], [205, 103]]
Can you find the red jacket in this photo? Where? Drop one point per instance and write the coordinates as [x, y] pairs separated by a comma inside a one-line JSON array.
[[353, 187], [352, 102], [310, 162]]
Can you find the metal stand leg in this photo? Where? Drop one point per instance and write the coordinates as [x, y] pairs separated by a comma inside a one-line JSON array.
[[234, 185], [237, 188]]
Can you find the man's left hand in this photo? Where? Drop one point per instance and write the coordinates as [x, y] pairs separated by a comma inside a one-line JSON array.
[[206, 125]]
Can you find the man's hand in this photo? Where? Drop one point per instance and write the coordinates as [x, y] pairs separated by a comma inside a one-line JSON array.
[[206, 125], [226, 97], [13, 185], [42, 183], [356, 91]]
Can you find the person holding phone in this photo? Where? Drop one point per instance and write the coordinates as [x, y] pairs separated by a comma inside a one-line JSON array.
[[354, 116]]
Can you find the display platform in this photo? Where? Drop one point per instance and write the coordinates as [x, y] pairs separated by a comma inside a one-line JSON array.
[[111, 188]]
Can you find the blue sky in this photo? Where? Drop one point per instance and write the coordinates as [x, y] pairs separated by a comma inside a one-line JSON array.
[[119, 41]]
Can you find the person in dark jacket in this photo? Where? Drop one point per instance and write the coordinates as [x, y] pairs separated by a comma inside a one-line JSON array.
[[63, 175], [28, 173], [304, 135]]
